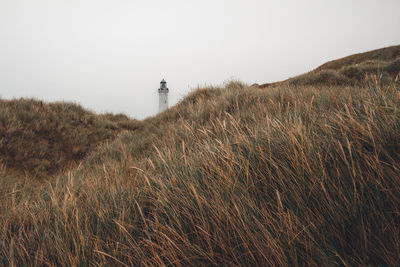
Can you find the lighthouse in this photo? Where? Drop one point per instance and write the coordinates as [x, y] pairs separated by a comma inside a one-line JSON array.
[[163, 96]]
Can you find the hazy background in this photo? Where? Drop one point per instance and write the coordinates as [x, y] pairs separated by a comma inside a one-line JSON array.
[[110, 55]]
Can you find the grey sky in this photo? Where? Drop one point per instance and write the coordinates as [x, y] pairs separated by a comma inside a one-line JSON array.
[[110, 55]]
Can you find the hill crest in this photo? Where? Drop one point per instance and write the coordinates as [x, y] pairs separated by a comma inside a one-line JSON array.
[[351, 70]]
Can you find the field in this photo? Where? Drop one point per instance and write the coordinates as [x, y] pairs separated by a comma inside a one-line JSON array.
[[304, 172]]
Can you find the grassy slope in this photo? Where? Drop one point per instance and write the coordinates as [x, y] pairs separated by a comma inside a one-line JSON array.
[[305, 175], [39, 139], [352, 70]]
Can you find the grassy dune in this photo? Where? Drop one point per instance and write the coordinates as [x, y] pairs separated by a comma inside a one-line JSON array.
[[235, 175], [352, 70], [40, 139]]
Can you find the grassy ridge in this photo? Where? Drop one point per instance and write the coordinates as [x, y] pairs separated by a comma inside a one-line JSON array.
[[387, 54], [238, 175], [40, 139], [352, 70]]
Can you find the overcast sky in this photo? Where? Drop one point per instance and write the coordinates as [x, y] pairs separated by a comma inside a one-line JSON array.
[[110, 55]]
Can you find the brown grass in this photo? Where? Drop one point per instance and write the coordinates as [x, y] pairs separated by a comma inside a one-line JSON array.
[[379, 55], [301, 176], [354, 70], [38, 139]]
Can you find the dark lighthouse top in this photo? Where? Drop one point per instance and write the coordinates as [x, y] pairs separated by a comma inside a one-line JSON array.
[[163, 87]]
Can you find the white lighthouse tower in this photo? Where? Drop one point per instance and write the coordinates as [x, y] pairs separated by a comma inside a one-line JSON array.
[[163, 96]]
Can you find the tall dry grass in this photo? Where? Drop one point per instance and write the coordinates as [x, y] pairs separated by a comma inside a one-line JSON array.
[[230, 176], [39, 139]]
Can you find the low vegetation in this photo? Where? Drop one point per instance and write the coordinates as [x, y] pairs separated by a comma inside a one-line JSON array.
[[352, 70], [39, 139], [238, 175]]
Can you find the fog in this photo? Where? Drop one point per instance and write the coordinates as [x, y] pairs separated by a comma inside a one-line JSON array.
[[110, 55]]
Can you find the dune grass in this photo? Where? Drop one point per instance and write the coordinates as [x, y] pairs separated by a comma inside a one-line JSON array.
[[305, 175], [351, 70], [39, 139]]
